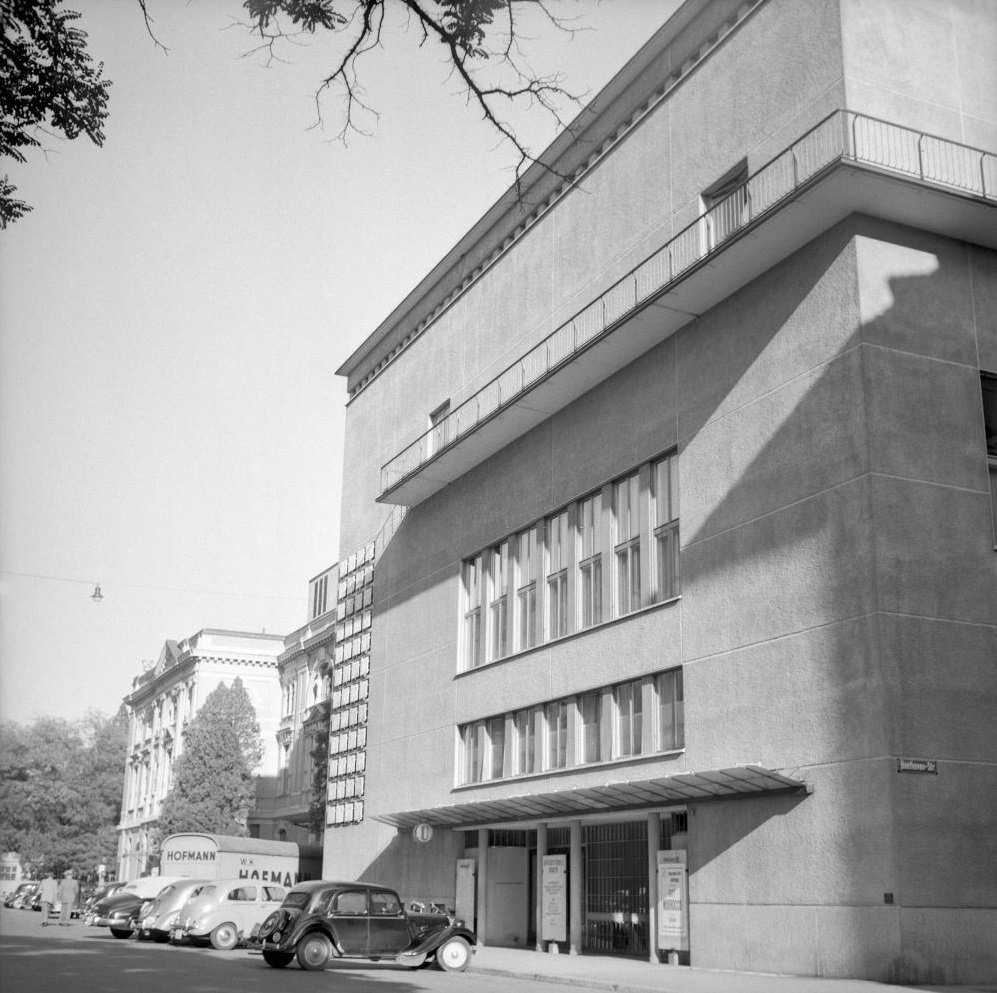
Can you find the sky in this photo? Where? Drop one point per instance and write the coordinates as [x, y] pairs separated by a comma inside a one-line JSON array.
[[174, 308]]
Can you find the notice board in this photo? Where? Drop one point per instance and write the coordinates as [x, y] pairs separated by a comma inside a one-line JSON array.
[[554, 898]]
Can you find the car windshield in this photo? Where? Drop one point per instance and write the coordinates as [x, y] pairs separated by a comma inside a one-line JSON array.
[[207, 891], [299, 900]]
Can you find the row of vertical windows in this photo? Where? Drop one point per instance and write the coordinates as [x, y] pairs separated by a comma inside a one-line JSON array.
[[639, 717], [603, 556]]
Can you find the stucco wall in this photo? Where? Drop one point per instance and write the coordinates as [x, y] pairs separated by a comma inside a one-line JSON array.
[[924, 63], [633, 201]]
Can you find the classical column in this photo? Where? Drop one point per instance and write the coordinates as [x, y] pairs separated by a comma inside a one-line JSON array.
[[653, 844], [482, 924], [575, 876], [539, 874]]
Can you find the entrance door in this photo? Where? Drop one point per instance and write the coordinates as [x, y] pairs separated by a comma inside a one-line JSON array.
[[507, 897], [616, 891]]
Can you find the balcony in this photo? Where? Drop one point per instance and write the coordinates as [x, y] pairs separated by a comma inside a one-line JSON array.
[[847, 163]]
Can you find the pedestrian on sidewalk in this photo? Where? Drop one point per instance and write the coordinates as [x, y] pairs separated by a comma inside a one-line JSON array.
[[69, 892], [49, 894]]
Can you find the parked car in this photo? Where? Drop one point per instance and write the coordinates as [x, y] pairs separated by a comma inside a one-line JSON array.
[[24, 891], [159, 916], [320, 920], [119, 910], [108, 889], [225, 911]]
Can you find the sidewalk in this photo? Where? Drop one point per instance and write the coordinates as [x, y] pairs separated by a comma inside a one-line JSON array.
[[632, 976]]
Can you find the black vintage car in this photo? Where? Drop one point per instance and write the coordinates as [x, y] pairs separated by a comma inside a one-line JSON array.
[[320, 920]]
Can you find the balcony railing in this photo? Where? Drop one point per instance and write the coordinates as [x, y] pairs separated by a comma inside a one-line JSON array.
[[843, 135]]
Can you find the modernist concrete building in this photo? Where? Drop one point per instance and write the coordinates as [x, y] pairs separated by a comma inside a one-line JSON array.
[[305, 667], [668, 588], [163, 700]]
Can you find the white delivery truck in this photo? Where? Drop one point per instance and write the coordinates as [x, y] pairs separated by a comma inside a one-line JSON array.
[[220, 856]]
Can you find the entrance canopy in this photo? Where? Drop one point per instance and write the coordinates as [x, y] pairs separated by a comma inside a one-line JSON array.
[[610, 798]]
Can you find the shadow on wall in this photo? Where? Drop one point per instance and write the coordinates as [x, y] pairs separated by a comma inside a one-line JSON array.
[[414, 869], [288, 797], [846, 452]]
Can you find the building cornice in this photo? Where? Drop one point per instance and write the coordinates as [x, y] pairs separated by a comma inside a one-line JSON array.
[[650, 76]]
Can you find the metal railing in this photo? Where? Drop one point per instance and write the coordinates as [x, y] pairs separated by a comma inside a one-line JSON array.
[[841, 135]]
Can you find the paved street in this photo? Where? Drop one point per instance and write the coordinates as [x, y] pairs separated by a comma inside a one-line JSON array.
[[78, 959]]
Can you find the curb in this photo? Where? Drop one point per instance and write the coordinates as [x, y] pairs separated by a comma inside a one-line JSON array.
[[542, 977]]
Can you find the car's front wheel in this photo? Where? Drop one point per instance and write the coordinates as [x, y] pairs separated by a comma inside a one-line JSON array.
[[314, 951], [277, 960], [454, 955], [225, 937], [120, 932]]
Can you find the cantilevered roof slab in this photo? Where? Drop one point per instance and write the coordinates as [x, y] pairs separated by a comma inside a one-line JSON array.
[[610, 798], [848, 164]]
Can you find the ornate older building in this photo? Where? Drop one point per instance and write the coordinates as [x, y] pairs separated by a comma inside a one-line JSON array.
[[163, 700]]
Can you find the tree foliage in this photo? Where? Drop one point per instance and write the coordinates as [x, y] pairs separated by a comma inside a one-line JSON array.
[[60, 790], [231, 706], [213, 788], [50, 85]]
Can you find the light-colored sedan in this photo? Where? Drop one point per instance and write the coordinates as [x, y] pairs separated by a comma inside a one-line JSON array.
[[225, 911], [162, 914]]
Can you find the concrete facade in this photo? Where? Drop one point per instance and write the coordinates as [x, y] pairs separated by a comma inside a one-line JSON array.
[[811, 367], [163, 699]]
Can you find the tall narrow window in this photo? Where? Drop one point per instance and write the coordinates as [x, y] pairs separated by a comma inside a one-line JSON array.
[[626, 508], [556, 715], [629, 719], [671, 710], [472, 741], [496, 748], [557, 575], [526, 741], [472, 612], [526, 589], [590, 560], [664, 485], [438, 425], [499, 604], [589, 712], [989, 383]]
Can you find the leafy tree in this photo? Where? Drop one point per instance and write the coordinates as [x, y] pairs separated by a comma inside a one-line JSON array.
[[232, 706], [213, 788], [60, 790], [50, 85]]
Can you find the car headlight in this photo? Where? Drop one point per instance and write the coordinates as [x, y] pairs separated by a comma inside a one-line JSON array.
[[171, 921]]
